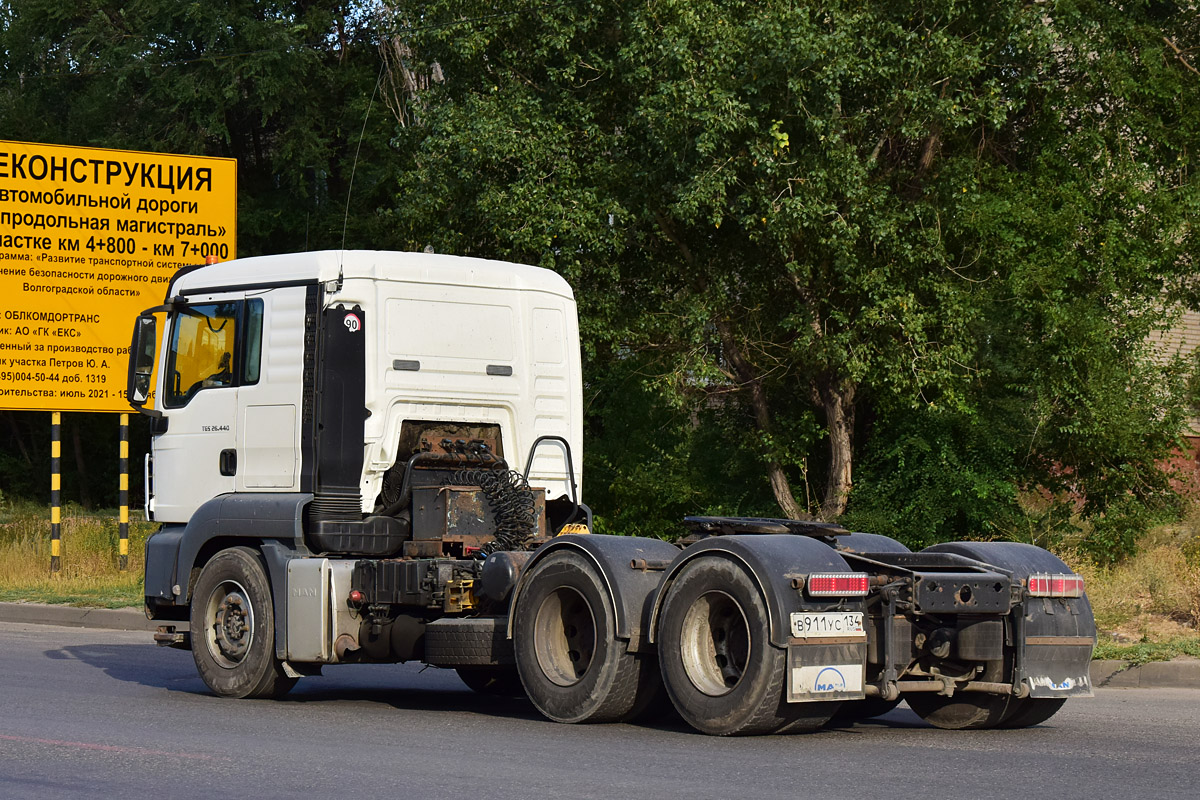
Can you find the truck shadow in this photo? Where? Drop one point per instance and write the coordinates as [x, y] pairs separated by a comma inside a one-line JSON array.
[[410, 687], [402, 686], [143, 664]]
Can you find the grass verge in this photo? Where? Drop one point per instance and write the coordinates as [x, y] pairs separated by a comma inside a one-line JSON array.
[[89, 549], [1145, 652]]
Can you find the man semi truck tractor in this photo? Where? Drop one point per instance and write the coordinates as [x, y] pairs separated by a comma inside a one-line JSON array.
[[374, 457]]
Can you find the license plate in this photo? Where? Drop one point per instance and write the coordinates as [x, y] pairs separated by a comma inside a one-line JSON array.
[[827, 624]]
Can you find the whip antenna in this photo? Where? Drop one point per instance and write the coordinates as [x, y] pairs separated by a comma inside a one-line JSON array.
[[354, 166]]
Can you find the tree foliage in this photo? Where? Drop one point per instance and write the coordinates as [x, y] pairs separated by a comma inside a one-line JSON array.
[[282, 86], [934, 235], [889, 262]]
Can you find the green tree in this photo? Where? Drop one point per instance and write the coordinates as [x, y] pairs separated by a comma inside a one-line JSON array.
[[842, 220], [283, 86]]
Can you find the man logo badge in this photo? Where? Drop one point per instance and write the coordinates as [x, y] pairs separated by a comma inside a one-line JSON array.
[[829, 679], [352, 323]]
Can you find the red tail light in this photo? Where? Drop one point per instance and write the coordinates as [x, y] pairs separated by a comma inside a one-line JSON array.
[[1058, 585], [839, 584]]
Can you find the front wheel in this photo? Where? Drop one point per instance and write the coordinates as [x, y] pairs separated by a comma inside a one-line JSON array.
[[720, 670], [233, 628]]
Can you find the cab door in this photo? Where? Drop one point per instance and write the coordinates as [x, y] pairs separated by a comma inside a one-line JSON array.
[[270, 394], [203, 363]]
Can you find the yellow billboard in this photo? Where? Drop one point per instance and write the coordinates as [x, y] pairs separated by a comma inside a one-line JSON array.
[[88, 238]]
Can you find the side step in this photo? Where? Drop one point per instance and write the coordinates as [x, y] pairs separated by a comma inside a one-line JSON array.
[[167, 636]]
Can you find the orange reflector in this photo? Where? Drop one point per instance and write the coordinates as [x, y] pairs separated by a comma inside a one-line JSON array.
[[1058, 585], [839, 584]]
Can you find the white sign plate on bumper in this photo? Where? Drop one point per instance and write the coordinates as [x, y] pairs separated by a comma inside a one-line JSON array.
[[827, 624], [831, 680]]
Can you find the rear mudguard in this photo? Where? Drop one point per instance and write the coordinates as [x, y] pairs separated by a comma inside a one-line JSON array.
[[630, 567], [774, 561], [1053, 638]]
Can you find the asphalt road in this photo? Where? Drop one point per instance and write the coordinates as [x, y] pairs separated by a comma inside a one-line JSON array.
[[99, 713]]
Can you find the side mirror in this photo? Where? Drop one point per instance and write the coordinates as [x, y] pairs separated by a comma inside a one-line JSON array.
[[141, 362]]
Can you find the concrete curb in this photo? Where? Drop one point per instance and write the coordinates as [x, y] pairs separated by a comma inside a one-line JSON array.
[[1182, 673], [117, 619]]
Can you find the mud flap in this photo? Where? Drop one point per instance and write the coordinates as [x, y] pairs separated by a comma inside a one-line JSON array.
[[1058, 638], [1058, 669], [824, 670]]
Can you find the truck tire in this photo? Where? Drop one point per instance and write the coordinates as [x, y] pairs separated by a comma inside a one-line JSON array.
[[1030, 711], [468, 642], [571, 664], [233, 627], [963, 711], [492, 681], [720, 670]]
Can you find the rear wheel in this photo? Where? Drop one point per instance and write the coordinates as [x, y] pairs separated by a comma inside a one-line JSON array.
[[963, 711], [720, 670], [233, 627], [571, 664], [1031, 711]]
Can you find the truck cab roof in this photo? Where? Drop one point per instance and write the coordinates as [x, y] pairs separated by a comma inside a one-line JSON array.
[[329, 265]]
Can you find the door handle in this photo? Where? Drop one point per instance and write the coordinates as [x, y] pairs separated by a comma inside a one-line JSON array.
[[228, 462]]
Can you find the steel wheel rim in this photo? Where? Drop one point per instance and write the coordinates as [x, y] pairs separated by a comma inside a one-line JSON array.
[[564, 636], [714, 643], [229, 630]]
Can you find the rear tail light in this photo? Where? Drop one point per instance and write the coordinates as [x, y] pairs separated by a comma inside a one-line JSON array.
[[1057, 585], [839, 584]]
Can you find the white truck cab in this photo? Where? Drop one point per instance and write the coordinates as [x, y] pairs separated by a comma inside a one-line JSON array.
[[260, 385]]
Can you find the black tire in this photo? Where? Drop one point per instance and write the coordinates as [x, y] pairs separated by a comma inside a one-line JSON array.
[[1030, 711], [492, 681], [571, 664], [233, 627], [860, 710], [723, 675], [468, 642], [963, 711]]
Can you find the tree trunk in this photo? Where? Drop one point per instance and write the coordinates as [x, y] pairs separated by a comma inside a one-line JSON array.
[[19, 438], [748, 376], [837, 398]]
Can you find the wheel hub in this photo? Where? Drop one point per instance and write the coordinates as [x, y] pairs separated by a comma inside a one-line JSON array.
[[564, 636], [715, 643], [232, 624]]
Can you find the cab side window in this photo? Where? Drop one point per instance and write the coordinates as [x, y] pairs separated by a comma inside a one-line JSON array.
[[201, 355], [252, 349]]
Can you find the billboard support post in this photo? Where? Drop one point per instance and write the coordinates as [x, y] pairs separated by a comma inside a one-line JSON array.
[[55, 492], [123, 559]]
